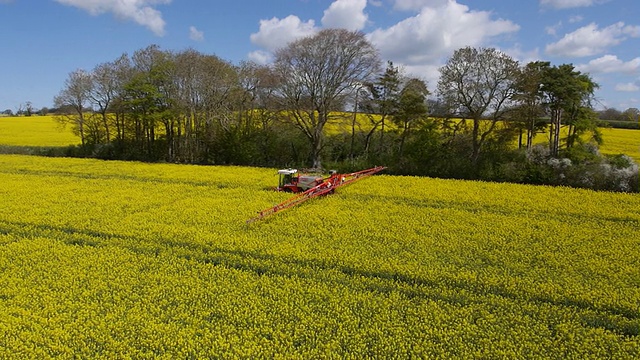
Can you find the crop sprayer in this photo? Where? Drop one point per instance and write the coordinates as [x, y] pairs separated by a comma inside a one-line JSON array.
[[310, 186]]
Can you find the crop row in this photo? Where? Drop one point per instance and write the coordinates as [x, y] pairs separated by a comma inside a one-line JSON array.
[[114, 259]]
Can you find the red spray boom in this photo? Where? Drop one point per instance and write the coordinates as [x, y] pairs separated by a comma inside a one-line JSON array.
[[324, 187]]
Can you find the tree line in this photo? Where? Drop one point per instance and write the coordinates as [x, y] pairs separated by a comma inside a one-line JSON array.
[[479, 122]]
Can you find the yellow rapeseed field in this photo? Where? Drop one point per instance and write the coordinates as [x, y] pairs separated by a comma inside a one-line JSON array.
[[35, 131], [131, 260], [46, 132], [621, 141]]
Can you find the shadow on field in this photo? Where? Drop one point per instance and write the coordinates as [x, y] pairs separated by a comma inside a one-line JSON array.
[[621, 320], [50, 151], [213, 184]]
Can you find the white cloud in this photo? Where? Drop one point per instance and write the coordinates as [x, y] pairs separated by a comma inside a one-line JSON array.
[[419, 44], [195, 34], [633, 31], [575, 19], [436, 33], [590, 40], [417, 5], [346, 14], [522, 56], [553, 29], [628, 87], [567, 4], [610, 64], [260, 57], [276, 33], [428, 72], [142, 12]]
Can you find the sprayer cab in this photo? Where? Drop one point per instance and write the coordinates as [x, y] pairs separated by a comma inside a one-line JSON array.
[[291, 181]]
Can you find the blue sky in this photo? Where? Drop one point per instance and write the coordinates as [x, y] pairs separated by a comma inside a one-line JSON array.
[[44, 40]]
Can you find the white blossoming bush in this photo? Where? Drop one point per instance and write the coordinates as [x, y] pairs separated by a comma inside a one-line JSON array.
[[590, 169]]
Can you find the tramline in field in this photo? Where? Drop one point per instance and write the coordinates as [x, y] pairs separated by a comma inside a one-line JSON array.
[[310, 186], [111, 260]]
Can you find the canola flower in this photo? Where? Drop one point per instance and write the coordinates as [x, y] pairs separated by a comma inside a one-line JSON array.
[[621, 141], [44, 131], [131, 260], [35, 131]]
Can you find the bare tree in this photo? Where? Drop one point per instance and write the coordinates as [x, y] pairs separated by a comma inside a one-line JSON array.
[[106, 87], [316, 73], [28, 110], [75, 96], [202, 86], [478, 83]]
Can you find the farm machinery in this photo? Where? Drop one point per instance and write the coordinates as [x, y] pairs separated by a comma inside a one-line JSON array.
[[309, 186]]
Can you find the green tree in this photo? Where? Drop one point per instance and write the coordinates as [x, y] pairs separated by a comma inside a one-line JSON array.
[[529, 100], [412, 109], [383, 101], [146, 97], [567, 95], [631, 114]]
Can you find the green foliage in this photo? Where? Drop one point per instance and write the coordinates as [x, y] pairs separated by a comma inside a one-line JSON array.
[[619, 124]]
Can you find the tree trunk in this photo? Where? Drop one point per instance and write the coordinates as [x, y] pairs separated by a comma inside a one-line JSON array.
[[475, 141], [520, 138], [556, 133], [316, 148], [105, 121], [353, 131], [530, 133], [403, 137], [381, 136]]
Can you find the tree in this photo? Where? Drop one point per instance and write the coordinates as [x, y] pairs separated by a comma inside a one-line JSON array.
[[28, 109], [106, 88], [203, 89], [581, 118], [75, 96], [610, 114], [529, 99], [631, 114], [146, 96], [566, 92], [412, 109], [384, 96], [478, 84], [316, 73], [259, 83]]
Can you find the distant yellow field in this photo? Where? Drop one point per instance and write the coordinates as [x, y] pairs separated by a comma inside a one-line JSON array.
[[616, 141], [45, 131], [621, 141], [35, 131]]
